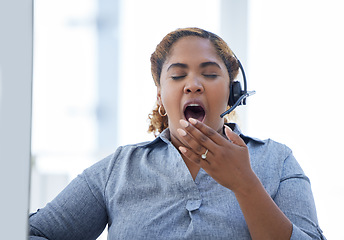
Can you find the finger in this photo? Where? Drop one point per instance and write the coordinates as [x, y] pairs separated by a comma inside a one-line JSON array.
[[208, 131], [189, 141], [190, 155], [181, 139], [236, 139], [197, 140]]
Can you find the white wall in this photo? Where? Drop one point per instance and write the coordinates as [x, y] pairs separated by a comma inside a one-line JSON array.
[[15, 115]]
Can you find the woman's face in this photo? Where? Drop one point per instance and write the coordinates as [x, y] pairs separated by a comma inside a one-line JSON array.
[[194, 82]]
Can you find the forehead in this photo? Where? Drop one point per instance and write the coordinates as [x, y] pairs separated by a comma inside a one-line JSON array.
[[193, 48]]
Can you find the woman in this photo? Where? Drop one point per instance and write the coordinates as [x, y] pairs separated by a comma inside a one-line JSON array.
[[200, 178]]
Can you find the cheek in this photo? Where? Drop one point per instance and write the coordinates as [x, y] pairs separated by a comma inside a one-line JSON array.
[[221, 93], [168, 99]]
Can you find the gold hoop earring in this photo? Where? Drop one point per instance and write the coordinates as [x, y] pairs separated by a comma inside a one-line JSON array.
[[159, 111]]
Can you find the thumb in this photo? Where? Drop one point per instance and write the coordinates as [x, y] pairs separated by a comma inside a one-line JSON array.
[[235, 138]]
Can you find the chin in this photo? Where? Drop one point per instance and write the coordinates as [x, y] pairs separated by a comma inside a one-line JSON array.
[[216, 125]]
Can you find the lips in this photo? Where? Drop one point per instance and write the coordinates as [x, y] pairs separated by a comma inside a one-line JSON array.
[[194, 109]]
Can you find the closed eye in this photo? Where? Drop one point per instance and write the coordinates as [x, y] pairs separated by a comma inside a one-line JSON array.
[[210, 75], [178, 77]]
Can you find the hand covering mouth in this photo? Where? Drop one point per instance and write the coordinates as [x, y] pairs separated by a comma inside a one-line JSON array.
[[195, 111]]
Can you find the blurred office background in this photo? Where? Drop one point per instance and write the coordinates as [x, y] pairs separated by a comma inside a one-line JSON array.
[[93, 90]]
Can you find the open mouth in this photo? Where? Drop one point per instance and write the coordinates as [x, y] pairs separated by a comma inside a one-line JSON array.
[[195, 111]]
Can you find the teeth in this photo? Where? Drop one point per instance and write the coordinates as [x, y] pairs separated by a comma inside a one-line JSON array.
[[193, 105]]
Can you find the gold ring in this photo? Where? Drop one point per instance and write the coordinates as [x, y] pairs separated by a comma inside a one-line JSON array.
[[204, 155]]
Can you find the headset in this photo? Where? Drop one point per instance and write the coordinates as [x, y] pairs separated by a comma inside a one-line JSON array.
[[237, 96]]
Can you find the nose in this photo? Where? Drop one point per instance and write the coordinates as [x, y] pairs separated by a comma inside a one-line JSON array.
[[193, 85]]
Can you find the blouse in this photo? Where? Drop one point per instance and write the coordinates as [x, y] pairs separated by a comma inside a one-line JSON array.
[[145, 191]]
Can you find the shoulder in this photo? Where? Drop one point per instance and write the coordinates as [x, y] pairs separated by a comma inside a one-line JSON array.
[[131, 152], [272, 161], [258, 146], [269, 147], [268, 156]]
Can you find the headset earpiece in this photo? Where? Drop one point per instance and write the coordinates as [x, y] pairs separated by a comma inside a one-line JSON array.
[[235, 92]]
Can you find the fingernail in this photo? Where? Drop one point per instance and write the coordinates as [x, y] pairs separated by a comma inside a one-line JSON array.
[[192, 120], [228, 128], [182, 149], [184, 123], [181, 132]]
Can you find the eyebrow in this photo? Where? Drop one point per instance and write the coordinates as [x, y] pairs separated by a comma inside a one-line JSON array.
[[202, 65], [205, 64], [181, 65]]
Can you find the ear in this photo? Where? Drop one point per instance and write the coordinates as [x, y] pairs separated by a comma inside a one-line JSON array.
[[158, 96]]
